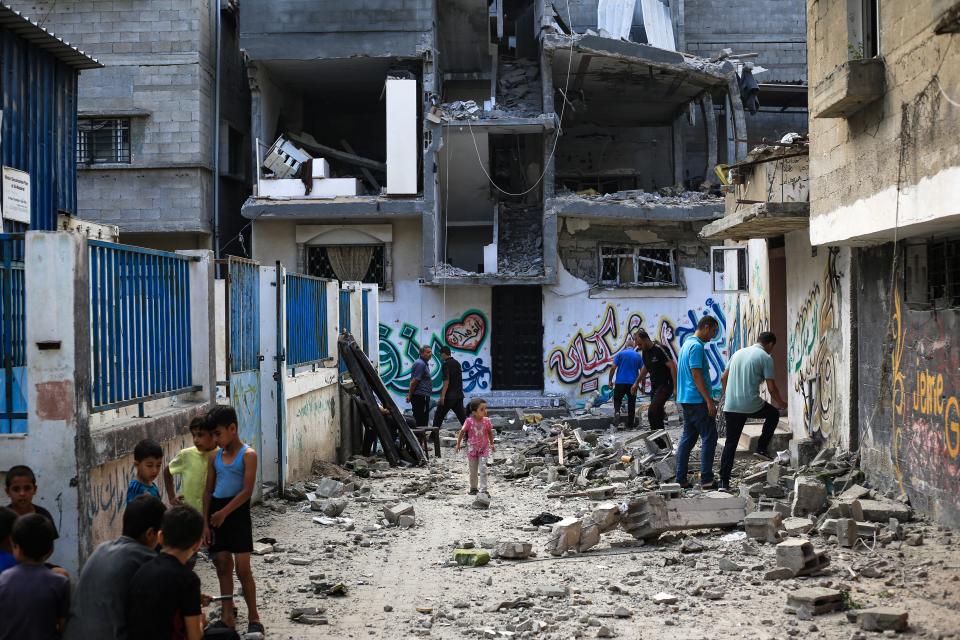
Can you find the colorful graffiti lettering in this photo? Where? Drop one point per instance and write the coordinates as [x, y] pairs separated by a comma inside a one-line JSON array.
[[717, 351], [749, 321], [466, 334], [591, 353], [811, 349]]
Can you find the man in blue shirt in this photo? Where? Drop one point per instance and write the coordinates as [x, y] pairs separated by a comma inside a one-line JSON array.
[[747, 370], [699, 410], [421, 386], [626, 367]]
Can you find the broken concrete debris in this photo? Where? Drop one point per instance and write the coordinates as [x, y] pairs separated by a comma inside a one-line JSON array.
[[393, 513], [883, 619], [799, 556], [816, 600]]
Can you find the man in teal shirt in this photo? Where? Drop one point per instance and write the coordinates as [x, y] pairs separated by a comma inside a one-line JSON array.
[[747, 370], [699, 410]]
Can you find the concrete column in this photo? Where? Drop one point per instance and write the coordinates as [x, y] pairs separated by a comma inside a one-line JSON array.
[[202, 325], [710, 131], [56, 445], [372, 327], [679, 148]]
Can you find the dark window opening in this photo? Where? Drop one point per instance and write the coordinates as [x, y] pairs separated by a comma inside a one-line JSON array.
[[932, 274], [626, 266], [103, 141], [320, 265], [871, 29]]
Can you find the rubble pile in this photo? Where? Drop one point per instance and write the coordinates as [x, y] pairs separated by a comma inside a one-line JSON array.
[[520, 242], [518, 87], [666, 196]]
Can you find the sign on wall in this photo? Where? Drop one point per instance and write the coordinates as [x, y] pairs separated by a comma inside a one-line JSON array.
[[16, 195]]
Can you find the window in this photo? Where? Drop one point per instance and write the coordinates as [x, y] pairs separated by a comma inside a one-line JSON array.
[[350, 261], [864, 29], [626, 266], [932, 274], [728, 266], [103, 140]]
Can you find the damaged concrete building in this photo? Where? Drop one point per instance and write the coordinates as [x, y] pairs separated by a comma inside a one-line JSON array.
[[524, 180], [871, 259]]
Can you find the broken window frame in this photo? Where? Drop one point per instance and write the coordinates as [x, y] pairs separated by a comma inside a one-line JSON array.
[[116, 150], [931, 274], [635, 253], [743, 273]]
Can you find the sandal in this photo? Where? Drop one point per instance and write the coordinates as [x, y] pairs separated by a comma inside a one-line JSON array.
[[255, 627]]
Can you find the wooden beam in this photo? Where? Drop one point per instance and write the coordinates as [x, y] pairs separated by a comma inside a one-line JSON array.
[[308, 142]]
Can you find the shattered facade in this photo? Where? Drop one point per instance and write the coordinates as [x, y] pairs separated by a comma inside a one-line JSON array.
[[563, 174]]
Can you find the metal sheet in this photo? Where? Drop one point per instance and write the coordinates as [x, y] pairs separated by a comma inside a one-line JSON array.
[[245, 398]]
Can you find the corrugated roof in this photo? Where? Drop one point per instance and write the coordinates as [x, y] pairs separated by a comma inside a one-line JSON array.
[[16, 23]]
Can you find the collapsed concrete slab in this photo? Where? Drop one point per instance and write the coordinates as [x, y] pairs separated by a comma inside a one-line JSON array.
[[652, 515]]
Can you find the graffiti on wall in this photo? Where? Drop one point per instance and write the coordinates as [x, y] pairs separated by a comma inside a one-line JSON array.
[[750, 319], [926, 409], [813, 346], [590, 352], [466, 334]]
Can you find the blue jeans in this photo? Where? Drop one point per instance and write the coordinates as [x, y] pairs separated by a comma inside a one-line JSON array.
[[697, 423]]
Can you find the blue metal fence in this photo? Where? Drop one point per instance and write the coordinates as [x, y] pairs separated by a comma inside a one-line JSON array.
[[140, 324], [13, 327], [306, 319], [243, 304], [365, 302]]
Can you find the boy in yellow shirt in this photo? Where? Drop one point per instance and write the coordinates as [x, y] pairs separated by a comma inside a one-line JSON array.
[[191, 465]]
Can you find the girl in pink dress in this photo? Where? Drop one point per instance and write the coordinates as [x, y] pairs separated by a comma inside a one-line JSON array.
[[478, 430]]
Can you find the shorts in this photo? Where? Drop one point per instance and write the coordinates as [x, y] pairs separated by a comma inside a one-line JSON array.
[[235, 535]]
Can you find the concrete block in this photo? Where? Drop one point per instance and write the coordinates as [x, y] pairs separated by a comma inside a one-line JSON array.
[[856, 492], [658, 442], [816, 600], [405, 522], [606, 516], [797, 526], [565, 536], [320, 168], [763, 525], [799, 556], [883, 510], [333, 187], [750, 437], [883, 619], [846, 508], [810, 496], [554, 591], [332, 508], [589, 537], [802, 452], [282, 188], [665, 469], [513, 550], [846, 530], [392, 514], [330, 488]]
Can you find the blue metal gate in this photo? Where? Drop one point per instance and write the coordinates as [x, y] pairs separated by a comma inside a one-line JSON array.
[[13, 328], [242, 298]]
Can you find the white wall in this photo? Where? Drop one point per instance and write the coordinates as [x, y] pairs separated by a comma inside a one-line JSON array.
[[818, 347]]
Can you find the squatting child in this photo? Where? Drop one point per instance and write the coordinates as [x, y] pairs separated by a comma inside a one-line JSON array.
[[231, 476], [478, 430], [191, 465], [147, 462]]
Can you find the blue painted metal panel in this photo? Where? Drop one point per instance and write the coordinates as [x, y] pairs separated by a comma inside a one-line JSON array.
[[39, 102], [244, 297], [345, 312], [306, 309], [12, 336], [143, 294], [245, 398]]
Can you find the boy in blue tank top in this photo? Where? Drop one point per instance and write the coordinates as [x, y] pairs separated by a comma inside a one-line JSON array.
[[228, 528]]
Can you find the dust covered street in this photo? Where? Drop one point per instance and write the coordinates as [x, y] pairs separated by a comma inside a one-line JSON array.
[[359, 578]]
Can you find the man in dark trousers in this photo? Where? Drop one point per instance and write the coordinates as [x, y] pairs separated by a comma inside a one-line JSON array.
[[663, 377], [451, 395], [696, 402], [421, 386], [626, 366], [747, 370]]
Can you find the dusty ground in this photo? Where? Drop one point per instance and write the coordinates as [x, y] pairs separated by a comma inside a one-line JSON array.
[[389, 573]]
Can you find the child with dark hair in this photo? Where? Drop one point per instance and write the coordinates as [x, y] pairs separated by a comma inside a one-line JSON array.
[[7, 518], [22, 489], [226, 509], [164, 599], [478, 431], [33, 599], [99, 608], [191, 465], [147, 462]]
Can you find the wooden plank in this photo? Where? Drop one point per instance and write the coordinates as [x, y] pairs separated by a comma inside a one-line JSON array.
[[369, 398], [310, 144]]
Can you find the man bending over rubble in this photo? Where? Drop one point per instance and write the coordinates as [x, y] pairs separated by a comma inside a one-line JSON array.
[[747, 370], [699, 410]]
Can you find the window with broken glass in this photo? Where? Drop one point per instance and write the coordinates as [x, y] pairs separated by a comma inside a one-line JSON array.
[[346, 263], [626, 266], [932, 274], [103, 140]]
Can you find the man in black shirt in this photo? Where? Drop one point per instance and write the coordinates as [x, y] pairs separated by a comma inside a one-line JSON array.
[[451, 395], [164, 601], [663, 377]]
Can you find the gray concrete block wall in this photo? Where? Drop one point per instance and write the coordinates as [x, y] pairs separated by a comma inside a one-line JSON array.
[[171, 200]]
